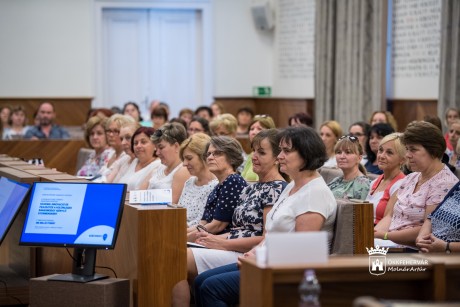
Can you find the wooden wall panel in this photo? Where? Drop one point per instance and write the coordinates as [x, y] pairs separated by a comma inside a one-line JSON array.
[[406, 111], [69, 111], [58, 154], [278, 108]]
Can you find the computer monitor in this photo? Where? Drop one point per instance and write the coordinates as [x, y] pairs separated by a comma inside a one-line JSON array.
[[12, 195], [82, 215]]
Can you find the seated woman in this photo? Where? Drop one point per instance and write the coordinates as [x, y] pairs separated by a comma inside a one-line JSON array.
[[223, 157], [260, 122], [361, 131], [159, 117], [390, 159], [171, 174], [17, 124], [330, 131], [198, 187], [132, 109], [248, 218], [306, 204], [451, 115], [244, 117], [145, 162], [376, 134], [386, 117], [224, 124], [354, 184], [454, 135], [121, 166], [198, 124], [112, 130], [422, 190], [440, 232], [95, 137]]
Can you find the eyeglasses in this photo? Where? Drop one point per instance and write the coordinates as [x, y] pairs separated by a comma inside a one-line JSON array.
[[261, 115], [350, 137], [215, 153], [158, 133], [115, 131]]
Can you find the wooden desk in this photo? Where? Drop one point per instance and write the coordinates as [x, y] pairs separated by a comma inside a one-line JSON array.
[[59, 154], [150, 251], [18, 175], [61, 177], [346, 277]]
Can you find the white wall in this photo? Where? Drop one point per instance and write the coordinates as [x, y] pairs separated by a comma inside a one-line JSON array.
[[46, 48], [243, 55]]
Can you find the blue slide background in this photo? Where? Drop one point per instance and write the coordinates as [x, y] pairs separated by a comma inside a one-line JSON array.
[[100, 207]]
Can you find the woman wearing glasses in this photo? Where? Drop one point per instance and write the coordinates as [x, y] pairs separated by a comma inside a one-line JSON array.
[[112, 131], [145, 161], [390, 159], [306, 204], [354, 182], [259, 123], [223, 156], [120, 167], [95, 137], [198, 124]]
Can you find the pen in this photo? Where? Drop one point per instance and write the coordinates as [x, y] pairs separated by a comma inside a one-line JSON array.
[[201, 228]]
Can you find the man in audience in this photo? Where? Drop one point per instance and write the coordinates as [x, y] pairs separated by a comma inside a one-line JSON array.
[[46, 129]]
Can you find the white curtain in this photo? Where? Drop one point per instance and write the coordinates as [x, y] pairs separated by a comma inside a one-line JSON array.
[[449, 73], [350, 44]]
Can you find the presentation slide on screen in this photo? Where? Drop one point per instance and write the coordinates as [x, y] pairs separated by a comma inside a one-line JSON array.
[[56, 209], [11, 196]]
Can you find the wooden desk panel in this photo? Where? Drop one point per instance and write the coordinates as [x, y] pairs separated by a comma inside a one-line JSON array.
[[18, 175], [150, 251], [346, 277], [58, 154]]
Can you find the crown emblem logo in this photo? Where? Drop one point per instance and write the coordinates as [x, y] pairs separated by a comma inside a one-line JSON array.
[[377, 250]]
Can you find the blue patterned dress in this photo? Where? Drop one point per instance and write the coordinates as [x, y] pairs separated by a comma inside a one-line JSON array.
[[445, 219]]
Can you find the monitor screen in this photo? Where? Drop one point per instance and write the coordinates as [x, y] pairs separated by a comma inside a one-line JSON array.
[[12, 194], [76, 214]]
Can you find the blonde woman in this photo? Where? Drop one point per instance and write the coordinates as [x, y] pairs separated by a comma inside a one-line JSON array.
[[330, 131], [390, 158], [354, 183], [198, 187], [224, 125]]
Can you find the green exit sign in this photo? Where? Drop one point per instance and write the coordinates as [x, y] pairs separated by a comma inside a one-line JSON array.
[[262, 91]]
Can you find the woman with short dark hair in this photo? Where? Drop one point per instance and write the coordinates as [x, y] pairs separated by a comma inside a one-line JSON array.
[[422, 190], [376, 134]]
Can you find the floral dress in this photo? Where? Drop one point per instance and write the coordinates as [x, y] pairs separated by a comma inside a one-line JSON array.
[[94, 163]]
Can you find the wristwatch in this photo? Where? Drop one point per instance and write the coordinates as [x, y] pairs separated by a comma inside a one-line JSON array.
[[448, 251]]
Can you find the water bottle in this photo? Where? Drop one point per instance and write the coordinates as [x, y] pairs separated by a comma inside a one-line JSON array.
[[309, 290]]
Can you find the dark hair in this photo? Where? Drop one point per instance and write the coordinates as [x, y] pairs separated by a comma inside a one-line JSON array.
[[17, 109], [427, 135], [204, 123], [230, 147], [160, 112], [245, 109], [434, 120], [365, 126], [135, 106], [171, 133], [272, 135], [148, 131], [179, 121], [381, 129], [302, 118], [204, 108], [308, 144]]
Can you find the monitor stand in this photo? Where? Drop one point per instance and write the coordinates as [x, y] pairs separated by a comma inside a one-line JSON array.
[[83, 267]]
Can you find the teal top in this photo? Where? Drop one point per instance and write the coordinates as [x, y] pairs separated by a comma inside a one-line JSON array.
[[357, 188]]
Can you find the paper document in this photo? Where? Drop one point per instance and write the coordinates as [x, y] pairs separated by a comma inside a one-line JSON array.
[[150, 197]]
